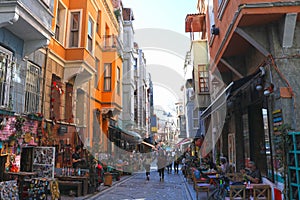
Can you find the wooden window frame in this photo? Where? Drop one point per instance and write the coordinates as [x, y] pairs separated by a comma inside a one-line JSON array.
[[74, 30], [107, 77], [203, 79]]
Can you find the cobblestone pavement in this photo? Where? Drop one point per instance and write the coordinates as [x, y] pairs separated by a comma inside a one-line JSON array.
[[136, 187]]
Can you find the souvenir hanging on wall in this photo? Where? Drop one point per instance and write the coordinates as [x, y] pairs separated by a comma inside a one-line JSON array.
[[27, 137], [43, 161], [37, 189], [9, 190]]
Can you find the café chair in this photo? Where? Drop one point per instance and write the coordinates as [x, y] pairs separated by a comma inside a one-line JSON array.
[[200, 185], [230, 176], [237, 192], [198, 180], [189, 172], [261, 192]]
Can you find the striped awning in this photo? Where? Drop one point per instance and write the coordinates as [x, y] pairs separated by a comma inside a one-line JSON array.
[[183, 141]]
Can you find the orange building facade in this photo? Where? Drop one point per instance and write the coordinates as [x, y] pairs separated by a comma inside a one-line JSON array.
[[82, 87]]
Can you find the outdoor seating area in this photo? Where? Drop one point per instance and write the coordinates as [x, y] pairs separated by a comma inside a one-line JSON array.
[[229, 185]]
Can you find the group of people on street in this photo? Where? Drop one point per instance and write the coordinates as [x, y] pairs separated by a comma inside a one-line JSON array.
[[164, 160]]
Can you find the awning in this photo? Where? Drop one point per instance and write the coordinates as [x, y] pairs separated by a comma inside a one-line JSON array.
[[232, 88], [217, 103], [129, 136], [148, 144], [183, 141]]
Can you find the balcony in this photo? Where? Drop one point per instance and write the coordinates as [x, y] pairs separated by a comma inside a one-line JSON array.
[[235, 20], [111, 43], [30, 20]]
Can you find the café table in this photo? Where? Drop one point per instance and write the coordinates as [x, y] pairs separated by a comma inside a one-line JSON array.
[[83, 179], [21, 179]]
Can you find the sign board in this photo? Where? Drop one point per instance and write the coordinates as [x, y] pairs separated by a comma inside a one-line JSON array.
[[63, 129]]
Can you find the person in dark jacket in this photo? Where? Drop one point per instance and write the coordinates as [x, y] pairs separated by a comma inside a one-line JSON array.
[[253, 175], [76, 157], [161, 164]]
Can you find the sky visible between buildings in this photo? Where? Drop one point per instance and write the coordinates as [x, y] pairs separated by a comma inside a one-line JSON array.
[[169, 48]]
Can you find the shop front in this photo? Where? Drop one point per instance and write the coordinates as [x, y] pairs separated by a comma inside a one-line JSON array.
[[249, 130], [36, 153]]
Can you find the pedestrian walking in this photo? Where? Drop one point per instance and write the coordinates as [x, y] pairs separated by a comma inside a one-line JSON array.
[[176, 162], [169, 163], [147, 165], [161, 164]]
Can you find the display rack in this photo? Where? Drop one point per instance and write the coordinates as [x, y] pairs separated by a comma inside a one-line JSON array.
[[294, 166], [43, 161]]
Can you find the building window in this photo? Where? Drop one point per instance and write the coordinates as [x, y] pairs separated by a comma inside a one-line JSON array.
[[12, 82], [97, 68], [107, 77], [80, 107], [56, 92], [90, 35], [69, 103], [203, 78], [60, 23], [74, 29], [195, 119], [98, 27], [6, 68], [135, 64], [32, 94], [118, 81]]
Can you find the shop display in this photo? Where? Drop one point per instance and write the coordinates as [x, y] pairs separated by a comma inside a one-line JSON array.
[[9, 190], [43, 161], [37, 189]]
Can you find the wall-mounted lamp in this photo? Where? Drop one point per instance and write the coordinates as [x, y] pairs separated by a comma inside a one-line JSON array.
[[259, 86], [269, 90], [215, 30]]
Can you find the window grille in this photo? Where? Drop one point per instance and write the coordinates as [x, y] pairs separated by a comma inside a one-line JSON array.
[[32, 94]]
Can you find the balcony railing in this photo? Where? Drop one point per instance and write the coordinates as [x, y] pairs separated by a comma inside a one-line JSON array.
[[109, 43]]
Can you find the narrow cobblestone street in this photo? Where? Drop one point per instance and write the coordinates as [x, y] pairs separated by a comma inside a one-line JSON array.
[[174, 187], [137, 187]]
